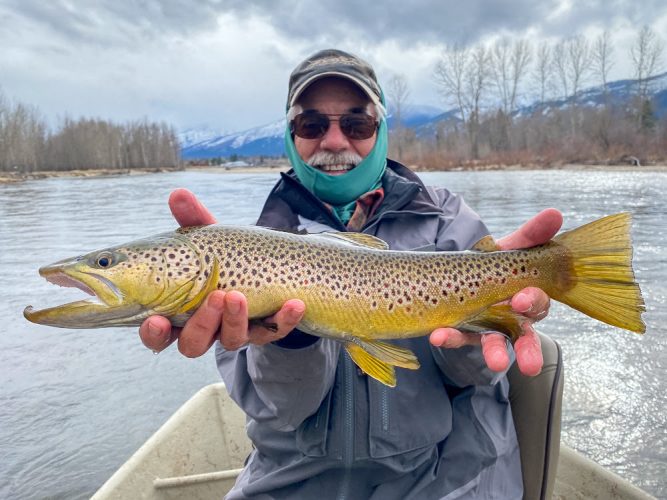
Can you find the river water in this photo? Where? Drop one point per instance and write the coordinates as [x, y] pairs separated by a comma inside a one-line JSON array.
[[75, 404]]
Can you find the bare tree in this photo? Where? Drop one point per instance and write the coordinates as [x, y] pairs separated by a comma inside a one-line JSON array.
[[646, 56], [543, 70], [560, 67], [22, 135], [398, 93], [461, 75], [579, 59], [508, 65], [601, 57], [571, 63]]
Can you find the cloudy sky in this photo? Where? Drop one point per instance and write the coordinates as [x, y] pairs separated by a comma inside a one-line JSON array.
[[224, 64]]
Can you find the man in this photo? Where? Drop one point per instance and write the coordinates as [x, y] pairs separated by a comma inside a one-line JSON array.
[[319, 426]]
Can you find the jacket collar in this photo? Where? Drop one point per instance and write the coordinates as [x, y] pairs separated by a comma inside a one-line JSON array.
[[403, 189]]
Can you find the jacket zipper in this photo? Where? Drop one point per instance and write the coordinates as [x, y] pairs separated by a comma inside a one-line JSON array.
[[348, 427], [384, 407]]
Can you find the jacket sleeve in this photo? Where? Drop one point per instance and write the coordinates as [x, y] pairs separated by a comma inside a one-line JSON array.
[[459, 229], [279, 386]]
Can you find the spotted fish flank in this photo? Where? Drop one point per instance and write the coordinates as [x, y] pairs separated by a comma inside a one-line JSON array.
[[356, 291]]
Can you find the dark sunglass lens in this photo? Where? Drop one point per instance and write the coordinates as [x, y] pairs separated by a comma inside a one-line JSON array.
[[358, 126], [310, 125]]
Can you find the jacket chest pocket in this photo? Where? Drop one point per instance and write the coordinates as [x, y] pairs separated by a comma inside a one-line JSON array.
[[311, 436], [414, 414]]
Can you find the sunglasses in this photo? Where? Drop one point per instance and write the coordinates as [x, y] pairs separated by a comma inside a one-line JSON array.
[[313, 125]]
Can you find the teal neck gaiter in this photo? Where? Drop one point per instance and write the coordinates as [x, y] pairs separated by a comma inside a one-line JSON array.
[[342, 189]]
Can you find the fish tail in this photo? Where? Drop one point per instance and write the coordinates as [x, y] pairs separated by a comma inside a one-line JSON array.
[[601, 282]]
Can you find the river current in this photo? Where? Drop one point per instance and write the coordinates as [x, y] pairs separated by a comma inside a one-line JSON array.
[[75, 404]]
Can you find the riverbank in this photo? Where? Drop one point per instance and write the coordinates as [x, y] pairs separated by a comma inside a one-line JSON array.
[[10, 177]]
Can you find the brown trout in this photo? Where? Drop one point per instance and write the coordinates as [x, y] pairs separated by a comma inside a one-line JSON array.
[[356, 291]]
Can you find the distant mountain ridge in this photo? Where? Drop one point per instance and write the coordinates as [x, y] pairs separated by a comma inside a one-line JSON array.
[[267, 140]]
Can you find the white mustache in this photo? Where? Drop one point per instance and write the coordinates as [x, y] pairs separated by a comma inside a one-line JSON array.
[[327, 158]]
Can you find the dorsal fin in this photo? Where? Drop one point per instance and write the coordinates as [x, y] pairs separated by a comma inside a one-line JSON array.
[[486, 244], [357, 239]]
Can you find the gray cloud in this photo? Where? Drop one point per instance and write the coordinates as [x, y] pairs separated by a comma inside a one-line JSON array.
[[428, 21], [418, 21], [225, 63], [117, 22]]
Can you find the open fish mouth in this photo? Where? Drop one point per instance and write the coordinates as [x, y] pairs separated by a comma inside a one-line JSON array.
[[63, 279], [105, 308]]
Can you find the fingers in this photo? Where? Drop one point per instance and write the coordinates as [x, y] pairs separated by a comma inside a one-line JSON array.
[[286, 320], [223, 315], [531, 302], [157, 334], [188, 210], [451, 338], [534, 304], [535, 231], [494, 345], [528, 351], [494, 350], [202, 328], [234, 332]]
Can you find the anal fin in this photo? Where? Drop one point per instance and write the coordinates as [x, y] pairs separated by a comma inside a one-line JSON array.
[[499, 318], [377, 359], [264, 324], [371, 366], [389, 353]]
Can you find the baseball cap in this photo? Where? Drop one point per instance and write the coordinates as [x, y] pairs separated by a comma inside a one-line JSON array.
[[333, 62]]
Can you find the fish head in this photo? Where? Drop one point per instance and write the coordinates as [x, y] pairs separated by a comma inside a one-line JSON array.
[[160, 275]]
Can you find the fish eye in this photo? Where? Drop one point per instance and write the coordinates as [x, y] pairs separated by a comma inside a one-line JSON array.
[[104, 260]]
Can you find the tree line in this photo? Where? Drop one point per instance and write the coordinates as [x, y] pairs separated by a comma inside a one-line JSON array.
[[27, 144], [487, 85]]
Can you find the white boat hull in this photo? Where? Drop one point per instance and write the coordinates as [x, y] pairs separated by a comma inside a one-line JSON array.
[[200, 450]]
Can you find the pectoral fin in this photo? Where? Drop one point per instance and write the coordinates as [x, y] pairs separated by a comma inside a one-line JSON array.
[[499, 318]]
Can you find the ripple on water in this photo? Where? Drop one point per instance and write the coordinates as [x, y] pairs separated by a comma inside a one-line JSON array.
[[66, 397]]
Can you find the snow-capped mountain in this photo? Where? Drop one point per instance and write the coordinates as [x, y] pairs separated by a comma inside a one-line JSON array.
[[618, 93], [267, 139]]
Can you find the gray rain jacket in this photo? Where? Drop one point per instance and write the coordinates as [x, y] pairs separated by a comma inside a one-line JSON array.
[[321, 429]]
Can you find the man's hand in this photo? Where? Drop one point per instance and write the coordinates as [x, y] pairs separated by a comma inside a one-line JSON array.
[[221, 315], [531, 302]]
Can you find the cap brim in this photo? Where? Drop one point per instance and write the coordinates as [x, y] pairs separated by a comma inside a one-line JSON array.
[[299, 90]]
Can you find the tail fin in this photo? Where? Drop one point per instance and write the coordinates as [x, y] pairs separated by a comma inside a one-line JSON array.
[[602, 280]]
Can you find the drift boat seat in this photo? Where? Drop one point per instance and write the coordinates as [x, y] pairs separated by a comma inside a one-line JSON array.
[[536, 408]]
